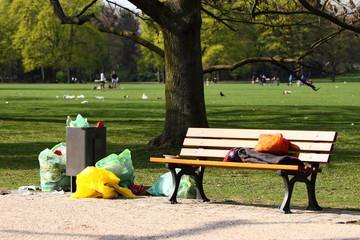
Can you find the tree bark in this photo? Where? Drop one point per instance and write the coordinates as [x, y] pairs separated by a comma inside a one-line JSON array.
[[42, 74], [184, 88]]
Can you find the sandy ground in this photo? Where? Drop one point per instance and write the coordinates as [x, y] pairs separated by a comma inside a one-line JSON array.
[[56, 216]]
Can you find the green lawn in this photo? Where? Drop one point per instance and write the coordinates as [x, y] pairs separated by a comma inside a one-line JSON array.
[[32, 118]]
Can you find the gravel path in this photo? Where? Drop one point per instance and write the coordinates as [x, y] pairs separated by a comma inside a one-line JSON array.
[[56, 216]]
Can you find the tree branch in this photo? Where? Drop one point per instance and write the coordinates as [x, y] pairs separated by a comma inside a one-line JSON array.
[[328, 17], [87, 7], [127, 9], [253, 9], [320, 42], [232, 67], [217, 18], [152, 9], [91, 18], [268, 24], [276, 61], [280, 12]]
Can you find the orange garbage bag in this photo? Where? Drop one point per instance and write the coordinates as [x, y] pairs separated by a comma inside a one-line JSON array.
[[274, 143]]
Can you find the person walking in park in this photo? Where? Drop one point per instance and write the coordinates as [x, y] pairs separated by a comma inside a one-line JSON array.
[[303, 79], [114, 80], [102, 80], [290, 79]]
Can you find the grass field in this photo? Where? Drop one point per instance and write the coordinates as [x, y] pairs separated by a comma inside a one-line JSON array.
[[32, 118]]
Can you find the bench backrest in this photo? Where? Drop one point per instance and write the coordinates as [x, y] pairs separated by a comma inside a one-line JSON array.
[[315, 146]]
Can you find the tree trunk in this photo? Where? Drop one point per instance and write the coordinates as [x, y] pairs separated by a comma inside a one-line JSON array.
[[332, 77], [42, 74], [184, 88], [68, 74]]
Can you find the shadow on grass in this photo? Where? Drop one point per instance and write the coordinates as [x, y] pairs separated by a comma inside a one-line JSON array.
[[25, 156], [326, 118]]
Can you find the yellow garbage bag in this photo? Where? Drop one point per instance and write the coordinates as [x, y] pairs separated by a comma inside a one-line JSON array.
[[95, 182]]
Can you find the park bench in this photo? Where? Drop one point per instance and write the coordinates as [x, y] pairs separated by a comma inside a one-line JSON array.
[[207, 147]]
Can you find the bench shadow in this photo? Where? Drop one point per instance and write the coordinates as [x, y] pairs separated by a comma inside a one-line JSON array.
[[299, 210], [192, 231], [169, 235]]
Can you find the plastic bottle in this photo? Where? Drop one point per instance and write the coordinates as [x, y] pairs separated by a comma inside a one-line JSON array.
[[68, 120]]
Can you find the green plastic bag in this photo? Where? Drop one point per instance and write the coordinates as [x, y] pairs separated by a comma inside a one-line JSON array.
[[163, 186], [121, 165], [53, 169], [79, 122]]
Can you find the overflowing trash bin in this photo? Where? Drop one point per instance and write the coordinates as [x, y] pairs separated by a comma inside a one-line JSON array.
[[84, 147], [80, 165]]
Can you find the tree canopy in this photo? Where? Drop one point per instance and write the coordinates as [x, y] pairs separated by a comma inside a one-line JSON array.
[[33, 40], [196, 37], [188, 54]]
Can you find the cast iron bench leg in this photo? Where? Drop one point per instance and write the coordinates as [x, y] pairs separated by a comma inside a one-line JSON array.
[[310, 185], [176, 181], [289, 186], [199, 185], [190, 170]]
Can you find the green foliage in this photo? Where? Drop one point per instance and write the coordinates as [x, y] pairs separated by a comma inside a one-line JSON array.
[[8, 54], [223, 46], [28, 35], [31, 33], [44, 42], [150, 59], [286, 38], [33, 118], [60, 76]]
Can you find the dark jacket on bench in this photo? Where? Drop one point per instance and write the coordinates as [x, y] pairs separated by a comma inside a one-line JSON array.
[[248, 155]]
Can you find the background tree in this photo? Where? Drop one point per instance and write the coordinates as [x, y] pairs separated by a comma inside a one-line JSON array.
[[32, 36], [9, 56], [151, 62], [84, 64], [221, 46], [45, 44], [334, 56], [180, 22], [123, 53]]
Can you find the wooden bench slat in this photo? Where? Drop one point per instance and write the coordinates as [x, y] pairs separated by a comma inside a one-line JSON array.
[[231, 143], [196, 152], [314, 157], [206, 163], [292, 135], [226, 143], [219, 153]]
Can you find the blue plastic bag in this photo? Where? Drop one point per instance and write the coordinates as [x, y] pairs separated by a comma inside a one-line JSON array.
[[163, 186]]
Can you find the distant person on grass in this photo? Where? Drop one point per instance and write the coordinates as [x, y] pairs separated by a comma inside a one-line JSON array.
[[102, 80], [114, 80], [290, 80]]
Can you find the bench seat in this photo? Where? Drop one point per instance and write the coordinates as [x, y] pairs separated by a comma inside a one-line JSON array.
[[207, 147], [206, 163]]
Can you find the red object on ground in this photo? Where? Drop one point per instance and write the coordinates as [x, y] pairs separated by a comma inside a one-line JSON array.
[[100, 124], [139, 189], [58, 152]]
